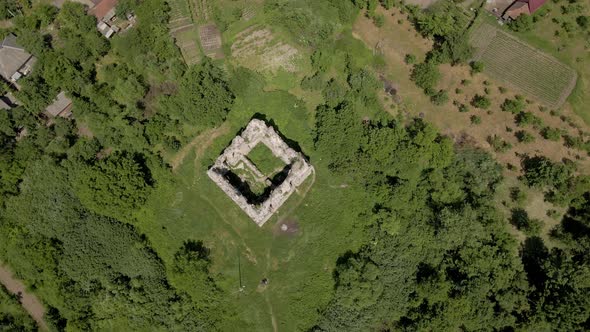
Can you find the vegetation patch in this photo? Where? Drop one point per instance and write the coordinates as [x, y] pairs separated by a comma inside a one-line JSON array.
[[525, 68]]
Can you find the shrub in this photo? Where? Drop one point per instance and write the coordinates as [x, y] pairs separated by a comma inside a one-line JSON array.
[[458, 91], [528, 118], [524, 136], [476, 67], [513, 106], [552, 134], [465, 82], [440, 98], [410, 59], [475, 119], [463, 108], [379, 20], [502, 89], [517, 195], [498, 143], [522, 23], [520, 219], [487, 91], [481, 102]]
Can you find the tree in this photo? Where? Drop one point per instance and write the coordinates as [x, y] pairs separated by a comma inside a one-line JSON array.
[[426, 75], [522, 23], [583, 21], [204, 97], [115, 185], [539, 171]]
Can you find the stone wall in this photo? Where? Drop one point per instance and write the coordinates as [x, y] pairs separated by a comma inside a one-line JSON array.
[[257, 132]]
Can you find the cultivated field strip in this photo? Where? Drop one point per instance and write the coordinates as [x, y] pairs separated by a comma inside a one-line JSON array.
[[184, 31], [522, 66]]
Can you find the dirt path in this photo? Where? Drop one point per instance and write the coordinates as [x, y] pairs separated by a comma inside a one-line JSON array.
[[203, 140], [29, 301]]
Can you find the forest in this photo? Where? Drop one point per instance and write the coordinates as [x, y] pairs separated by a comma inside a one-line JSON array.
[[401, 230]]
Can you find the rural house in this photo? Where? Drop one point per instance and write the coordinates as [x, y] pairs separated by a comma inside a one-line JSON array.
[[61, 106], [15, 62], [104, 11], [520, 7]]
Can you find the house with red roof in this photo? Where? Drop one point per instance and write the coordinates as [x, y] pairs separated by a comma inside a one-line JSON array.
[[104, 11], [520, 7]]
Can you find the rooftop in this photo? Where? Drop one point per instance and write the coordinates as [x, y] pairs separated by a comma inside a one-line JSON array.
[[60, 105], [102, 8], [12, 57]]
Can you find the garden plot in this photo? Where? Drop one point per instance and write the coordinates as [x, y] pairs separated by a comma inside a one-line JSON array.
[[523, 67], [211, 41], [202, 10], [184, 31], [257, 48]]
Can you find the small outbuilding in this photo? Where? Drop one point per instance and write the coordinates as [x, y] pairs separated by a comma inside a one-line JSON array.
[[61, 106]]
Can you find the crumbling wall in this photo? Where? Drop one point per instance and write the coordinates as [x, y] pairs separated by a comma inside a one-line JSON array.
[[257, 132]]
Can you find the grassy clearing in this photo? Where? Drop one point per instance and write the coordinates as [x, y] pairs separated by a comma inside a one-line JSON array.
[[265, 161], [521, 66], [299, 266]]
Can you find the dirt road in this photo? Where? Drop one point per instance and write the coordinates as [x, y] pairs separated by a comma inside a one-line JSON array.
[[29, 301]]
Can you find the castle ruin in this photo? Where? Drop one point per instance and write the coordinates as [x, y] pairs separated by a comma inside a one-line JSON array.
[[235, 157]]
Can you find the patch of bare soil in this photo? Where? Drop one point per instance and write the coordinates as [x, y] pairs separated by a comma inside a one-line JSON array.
[[288, 226], [29, 301]]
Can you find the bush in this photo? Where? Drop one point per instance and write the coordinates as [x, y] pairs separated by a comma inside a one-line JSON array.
[[426, 75], [379, 20], [552, 134], [476, 67], [528, 118], [520, 219], [463, 108], [517, 195], [481, 102], [498, 143], [465, 82], [502, 89], [475, 119], [524, 136], [410, 59], [522, 23], [513, 106], [440, 98]]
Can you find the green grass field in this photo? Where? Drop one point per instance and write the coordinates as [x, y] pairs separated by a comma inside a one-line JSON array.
[[525, 68], [298, 265], [265, 161]]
